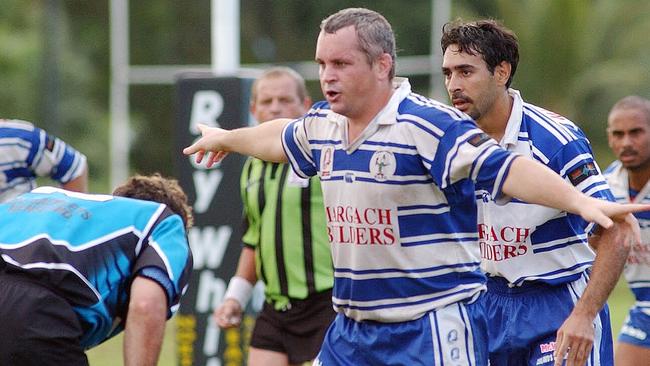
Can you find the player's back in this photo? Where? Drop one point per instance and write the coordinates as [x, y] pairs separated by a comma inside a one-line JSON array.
[[82, 246]]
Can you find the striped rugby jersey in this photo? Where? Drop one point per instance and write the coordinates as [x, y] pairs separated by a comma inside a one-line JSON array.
[[637, 268], [88, 248], [399, 203], [526, 242], [285, 225], [27, 151]]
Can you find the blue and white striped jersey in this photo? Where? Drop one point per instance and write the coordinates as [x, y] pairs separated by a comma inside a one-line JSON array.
[[89, 248], [399, 201], [27, 151], [637, 268], [525, 242]]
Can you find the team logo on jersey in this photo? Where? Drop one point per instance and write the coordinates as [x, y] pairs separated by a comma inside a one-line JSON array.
[[349, 177], [382, 165], [49, 143], [326, 161], [479, 139], [452, 336], [581, 173], [455, 354]]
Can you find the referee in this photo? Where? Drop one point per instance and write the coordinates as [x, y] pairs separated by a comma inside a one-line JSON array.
[[285, 243]]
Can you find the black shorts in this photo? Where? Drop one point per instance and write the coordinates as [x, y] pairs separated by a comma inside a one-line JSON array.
[[39, 327], [297, 332]]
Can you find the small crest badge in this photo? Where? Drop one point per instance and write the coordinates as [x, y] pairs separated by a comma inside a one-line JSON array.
[[382, 165], [326, 161]]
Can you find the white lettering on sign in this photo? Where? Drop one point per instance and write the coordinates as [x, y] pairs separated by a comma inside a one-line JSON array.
[[207, 106], [206, 184], [210, 291], [211, 340], [209, 245], [213, 362]]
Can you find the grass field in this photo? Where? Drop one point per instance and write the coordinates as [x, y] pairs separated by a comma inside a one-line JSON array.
[[110, 353]]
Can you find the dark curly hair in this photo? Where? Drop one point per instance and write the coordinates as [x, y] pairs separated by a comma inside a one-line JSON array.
[[488, 38], [159, 189]]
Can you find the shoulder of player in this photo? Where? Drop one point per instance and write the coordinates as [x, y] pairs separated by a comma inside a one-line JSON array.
[[550, 125], [428, 114]]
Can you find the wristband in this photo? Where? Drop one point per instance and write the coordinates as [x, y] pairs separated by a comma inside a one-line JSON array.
[[240, 290]]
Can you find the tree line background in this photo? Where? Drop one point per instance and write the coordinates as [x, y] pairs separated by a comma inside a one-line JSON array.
[[577, 58]]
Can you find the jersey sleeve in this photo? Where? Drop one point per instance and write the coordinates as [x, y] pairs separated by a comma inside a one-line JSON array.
[[168, 251], [466, 152], [295, 142], [56, 159], [575, 163]]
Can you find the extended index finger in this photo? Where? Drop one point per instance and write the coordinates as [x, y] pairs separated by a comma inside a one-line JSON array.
[[619, 211]]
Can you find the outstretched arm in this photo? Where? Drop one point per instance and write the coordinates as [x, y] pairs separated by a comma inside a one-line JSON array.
[[533, 182], [263, 141], [576, 335], [145, 323]]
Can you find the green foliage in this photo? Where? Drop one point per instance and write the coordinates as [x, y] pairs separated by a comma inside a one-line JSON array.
[[579, 57]]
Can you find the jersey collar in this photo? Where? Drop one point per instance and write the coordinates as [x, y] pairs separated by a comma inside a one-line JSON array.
[[511, 134], [386, 116]]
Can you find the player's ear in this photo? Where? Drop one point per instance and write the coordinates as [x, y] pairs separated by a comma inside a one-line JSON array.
[[251, 107], [502, 72], [307, 103], [384, 65]]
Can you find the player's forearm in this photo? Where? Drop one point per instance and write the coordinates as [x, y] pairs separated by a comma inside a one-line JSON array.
[[145, 326], [263, 141], [533, 182], [606, 270], [612, 248], [246, 266]]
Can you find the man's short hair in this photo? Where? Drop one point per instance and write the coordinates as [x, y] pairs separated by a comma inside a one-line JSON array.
[[489, 38], [634, 102], [375, 34], [159, 189], [279, 71]]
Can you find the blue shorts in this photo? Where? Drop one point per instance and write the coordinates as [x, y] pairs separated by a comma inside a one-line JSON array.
[[523, 322], [453, 335], [636, 329]]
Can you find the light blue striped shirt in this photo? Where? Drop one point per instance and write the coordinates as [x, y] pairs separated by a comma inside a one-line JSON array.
[[27, 152], [399, 203]]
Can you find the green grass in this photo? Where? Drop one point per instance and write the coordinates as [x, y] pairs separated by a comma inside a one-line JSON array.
[[619, 302], [110, 353]]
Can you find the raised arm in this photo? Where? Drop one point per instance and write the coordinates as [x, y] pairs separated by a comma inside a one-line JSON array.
[[533, 182], [263, 141], [145, 323]]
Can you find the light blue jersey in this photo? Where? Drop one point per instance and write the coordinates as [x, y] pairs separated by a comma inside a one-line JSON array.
[[89, 248], [399, 203], [27, 152]]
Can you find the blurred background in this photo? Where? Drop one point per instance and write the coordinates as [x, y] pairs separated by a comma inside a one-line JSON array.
[[577, 58]]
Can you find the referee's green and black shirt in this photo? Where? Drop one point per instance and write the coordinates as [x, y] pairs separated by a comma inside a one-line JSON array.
[[284, 222]]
